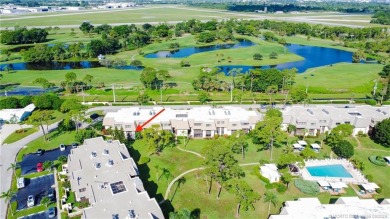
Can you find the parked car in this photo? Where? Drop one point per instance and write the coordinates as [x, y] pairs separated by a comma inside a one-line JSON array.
[[51, 212], [30, 201], [94, 116], [20, 183], [62, 147], [51, 194], [40, 152], [74, 145], [39, 167]]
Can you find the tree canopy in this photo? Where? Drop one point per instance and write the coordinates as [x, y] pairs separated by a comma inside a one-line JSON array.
[[381, 132]]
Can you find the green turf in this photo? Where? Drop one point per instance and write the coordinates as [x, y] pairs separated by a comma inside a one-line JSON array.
[[17, 136]]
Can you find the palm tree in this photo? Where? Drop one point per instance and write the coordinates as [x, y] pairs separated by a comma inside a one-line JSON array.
[[179, 182], [7, 196], [62, 159], [13, 166], [47, 165], [45, 201], [270, 197]]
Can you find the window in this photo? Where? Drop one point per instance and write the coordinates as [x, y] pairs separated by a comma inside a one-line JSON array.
[[82, 190], [181, 115], [337, 123], [106, 152], [127, 126], [301, 123], [234, 125], [347, 122], [208, 125], [322, 121], [312, 124], [220, 122], [117, 187], [197, 124], [93, 154], [118, 125], [355, 114]]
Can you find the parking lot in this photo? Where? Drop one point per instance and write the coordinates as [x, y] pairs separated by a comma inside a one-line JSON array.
[[38, 187], [40, 215], [30, 161]]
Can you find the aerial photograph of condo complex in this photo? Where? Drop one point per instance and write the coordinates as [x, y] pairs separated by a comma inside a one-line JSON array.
[[194, 109]]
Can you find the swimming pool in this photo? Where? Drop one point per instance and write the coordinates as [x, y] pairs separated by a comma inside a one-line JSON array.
[[335, 170]]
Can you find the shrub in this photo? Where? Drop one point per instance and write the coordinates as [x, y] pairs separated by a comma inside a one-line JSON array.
[[144, 160], [280, 187], [381, 133], [369, 177], [377, 160], [370, 102], [307, 187], [256, 171], [344, 149]]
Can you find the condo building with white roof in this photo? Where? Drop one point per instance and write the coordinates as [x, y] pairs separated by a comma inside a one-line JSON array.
[[201, 122], [344, 207], [104, 173], [319, 119]]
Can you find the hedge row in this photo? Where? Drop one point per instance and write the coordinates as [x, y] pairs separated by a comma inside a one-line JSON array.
[[307, 187], [373, 159]]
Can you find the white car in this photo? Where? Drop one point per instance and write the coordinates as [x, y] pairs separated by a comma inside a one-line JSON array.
[[62, 147], [30, 201]]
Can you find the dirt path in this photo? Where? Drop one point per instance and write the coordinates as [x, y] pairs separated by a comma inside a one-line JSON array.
[[192, 152]]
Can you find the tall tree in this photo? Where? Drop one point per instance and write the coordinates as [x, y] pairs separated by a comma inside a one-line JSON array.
[[42, 117], [7, 196], [157, 139], [244, 195], [239, 144], [268, 131], [271, 198], [220, 163], [13, 167]]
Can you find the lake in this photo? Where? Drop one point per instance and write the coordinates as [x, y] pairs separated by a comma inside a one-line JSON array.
[[61, 66], [314, 56]]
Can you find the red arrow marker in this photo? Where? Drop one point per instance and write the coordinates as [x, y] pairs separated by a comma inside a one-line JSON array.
[[140, 127]]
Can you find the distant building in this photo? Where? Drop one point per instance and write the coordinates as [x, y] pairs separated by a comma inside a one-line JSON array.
[[270, 171], [344, 207], [200, 122], [117, 5], [17, 114], [75, 8], [319, 119], [104, 174]]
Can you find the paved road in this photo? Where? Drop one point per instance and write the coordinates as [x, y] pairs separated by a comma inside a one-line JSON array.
[[7, 156], [8, 129]]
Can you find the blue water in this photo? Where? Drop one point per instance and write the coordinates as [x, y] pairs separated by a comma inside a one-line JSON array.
[[185, 52], [60, 66], [314, 56], [335, 170], [27, 91]]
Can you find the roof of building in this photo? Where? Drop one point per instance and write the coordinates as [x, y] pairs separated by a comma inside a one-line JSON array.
[[316, 116], [370, 186], [297, 146], [132, 115], [387, 158], [338, 185], [269, 170], [323, 183], [303, 143], [104, 173], [20, 113], [312, 208]]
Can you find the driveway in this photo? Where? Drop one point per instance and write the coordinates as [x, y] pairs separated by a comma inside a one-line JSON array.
[[38, 187], [29, 162], [40, 215]]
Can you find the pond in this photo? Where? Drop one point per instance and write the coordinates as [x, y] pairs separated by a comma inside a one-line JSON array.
[[185, 52], [60, 66], [314, 56], [26, 91]]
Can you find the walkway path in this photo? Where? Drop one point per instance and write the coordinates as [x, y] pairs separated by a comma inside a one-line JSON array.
[[358, 142], [7, 156], [192, 152], [192, 170]]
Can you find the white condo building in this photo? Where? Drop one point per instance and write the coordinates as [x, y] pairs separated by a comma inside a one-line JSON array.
[[198, 122], [104, 173], [344, 207], [16, 115], [319, 118]]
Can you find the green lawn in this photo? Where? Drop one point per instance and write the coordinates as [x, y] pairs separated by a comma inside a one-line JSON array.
[[340, 78], [17, 136], [125, 16], [55, 139]]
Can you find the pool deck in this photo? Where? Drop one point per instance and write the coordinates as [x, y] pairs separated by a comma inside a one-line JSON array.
[[357, 176]]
